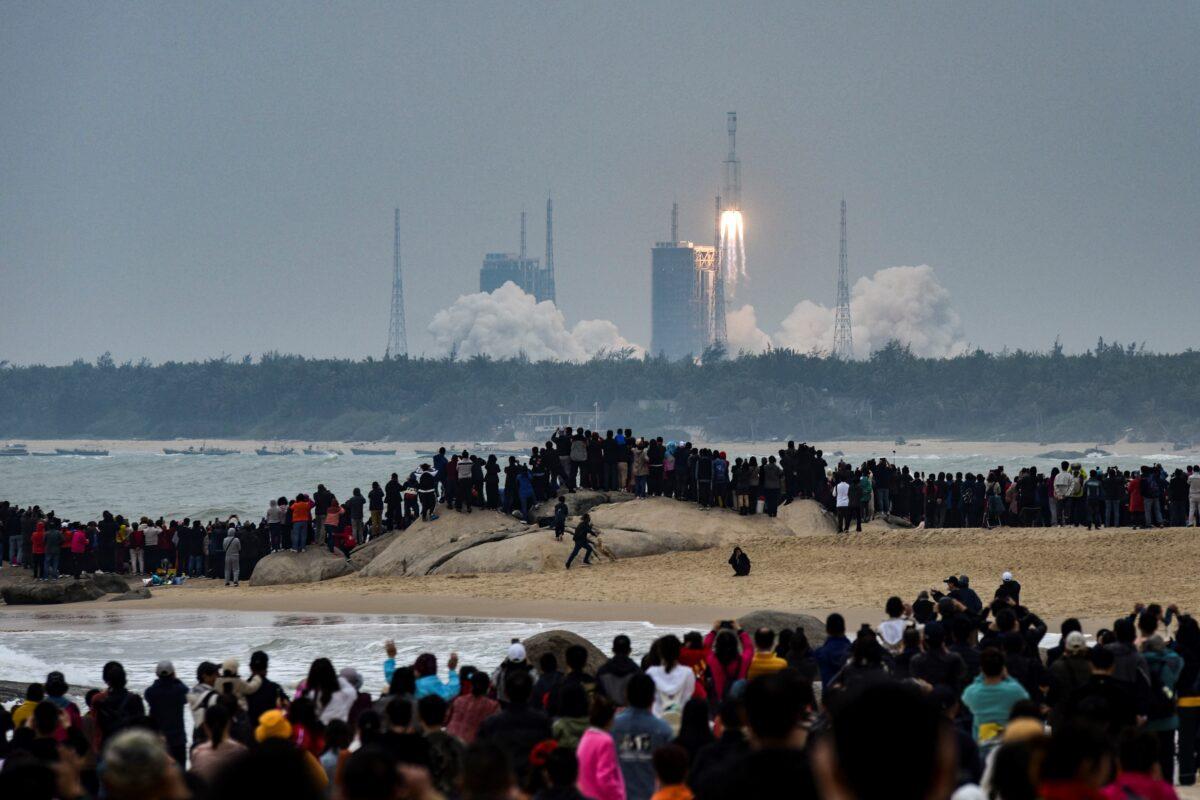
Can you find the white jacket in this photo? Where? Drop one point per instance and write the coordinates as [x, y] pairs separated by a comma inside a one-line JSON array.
[[339, 704], [674, 689]]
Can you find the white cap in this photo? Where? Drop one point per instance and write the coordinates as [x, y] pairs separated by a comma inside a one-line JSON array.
[[1007, 576], [516, 652]]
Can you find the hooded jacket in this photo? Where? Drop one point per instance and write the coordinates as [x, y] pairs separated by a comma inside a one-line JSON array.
[[613, 676]]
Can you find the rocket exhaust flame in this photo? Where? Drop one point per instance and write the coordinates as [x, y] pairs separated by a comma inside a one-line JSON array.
[[731, 250]]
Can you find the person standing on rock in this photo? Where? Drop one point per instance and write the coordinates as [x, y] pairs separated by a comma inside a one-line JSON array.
[[233, 553], [462, 491], [300, 508], [427, 482], [393, 498], [582, 531], [375, 506], [354, 507], [560, 517]]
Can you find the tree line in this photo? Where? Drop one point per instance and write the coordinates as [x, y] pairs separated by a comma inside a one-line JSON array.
[[1104, 394]]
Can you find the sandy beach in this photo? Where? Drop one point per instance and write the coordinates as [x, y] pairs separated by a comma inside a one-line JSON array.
[[1095, 575]]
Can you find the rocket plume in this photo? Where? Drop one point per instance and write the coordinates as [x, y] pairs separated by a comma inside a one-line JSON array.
[[731, 250]]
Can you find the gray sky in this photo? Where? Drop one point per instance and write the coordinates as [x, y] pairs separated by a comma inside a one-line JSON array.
[[179, 180]]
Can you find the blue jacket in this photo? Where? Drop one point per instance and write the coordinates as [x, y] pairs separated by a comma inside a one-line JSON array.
[[831, 657], [637, 733], [432, 684]]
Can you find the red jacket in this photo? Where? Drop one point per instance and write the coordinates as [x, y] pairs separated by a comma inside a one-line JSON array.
[[39, 539], [695, 658], [724, 676], [1136, 506]]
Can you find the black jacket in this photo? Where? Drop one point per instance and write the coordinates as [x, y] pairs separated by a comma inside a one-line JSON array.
[[167, 698], [516, 730]]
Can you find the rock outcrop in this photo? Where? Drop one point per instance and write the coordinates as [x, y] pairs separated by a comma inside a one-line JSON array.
[[110, 583], [140, 593], [40, 593], [579, 503], [813, 628], [313, 565], [557, 642], [486, 542], [365, 553], [424, 546]]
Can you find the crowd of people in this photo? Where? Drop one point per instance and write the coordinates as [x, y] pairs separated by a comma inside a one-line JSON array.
[[616, 461], [946, 697]]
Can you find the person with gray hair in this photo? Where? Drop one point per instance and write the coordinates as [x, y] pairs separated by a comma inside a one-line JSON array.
[[136, 766]]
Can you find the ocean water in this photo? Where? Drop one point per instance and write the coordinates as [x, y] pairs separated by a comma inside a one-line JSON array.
[[135, 482], [78, 642]]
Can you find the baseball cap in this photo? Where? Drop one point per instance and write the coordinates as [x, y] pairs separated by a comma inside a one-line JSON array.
[[1075, 642], [952, 579], [165, 669], [1007, 576], [516, 652]]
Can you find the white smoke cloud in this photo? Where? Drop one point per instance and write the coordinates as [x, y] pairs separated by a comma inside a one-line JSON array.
[[742, 334], [509, 322], [902, 303]]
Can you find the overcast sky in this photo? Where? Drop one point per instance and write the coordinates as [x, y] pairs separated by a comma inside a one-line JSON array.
[[181, 180]]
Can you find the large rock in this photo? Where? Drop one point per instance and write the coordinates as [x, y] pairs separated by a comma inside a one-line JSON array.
[[40, 593], [140, 593], [579, 503], [538, 551], [314, 564], [365, 553], [813, 628], [424, 546], [110, 583], [557, 642]]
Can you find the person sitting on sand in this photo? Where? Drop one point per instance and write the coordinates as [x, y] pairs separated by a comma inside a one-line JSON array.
[[740, 563]]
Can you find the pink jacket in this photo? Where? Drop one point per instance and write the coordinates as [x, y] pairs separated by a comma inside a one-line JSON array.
[[1140, 785], [79, 542], [720, 677], [599, 770]]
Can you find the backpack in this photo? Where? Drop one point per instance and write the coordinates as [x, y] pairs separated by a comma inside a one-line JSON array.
[[1162, 698]]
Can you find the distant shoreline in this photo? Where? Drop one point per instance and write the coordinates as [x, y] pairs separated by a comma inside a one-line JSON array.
[[913, 448]]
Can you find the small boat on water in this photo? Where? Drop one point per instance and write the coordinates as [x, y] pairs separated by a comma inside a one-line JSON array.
[[79, 451], [371, 451], [203, 450], [278, 451], [321, 451], [14, 450]]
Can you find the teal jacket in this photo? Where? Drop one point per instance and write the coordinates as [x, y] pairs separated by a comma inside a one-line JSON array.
[[1166, 665]]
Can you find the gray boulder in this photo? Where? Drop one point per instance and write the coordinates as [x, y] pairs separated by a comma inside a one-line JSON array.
[[813, 628], [41, 593], [110, 583], [364, 553], [581, 502], [313, 565], [140, 593], [557, 642]]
